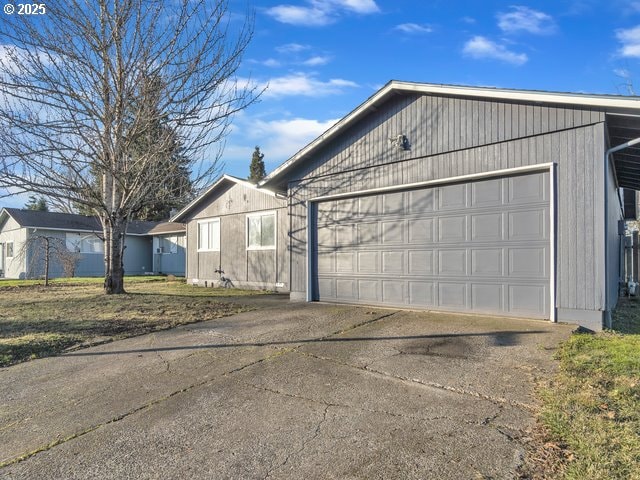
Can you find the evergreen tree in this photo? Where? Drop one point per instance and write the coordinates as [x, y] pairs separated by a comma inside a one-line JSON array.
[[39, 204], [152, 127], [256, 169]]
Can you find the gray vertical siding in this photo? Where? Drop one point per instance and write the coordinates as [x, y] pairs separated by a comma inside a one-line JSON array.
[[245, 268], [451, 137]]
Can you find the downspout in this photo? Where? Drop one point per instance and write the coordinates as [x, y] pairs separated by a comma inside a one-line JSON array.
[[607, 157]]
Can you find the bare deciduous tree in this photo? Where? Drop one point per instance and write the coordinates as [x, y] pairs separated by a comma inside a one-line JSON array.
[[72, 103], [42, 251]]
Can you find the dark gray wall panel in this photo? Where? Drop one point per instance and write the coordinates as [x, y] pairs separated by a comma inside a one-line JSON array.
[[252, 268], [459, 268], [578, 269]]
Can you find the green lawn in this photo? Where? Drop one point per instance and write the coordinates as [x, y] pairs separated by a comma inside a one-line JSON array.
[[38, 321], [591, 409]]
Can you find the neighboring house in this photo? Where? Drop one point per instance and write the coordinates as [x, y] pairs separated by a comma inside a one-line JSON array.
[[241, 230], [465, 199], [78, 233], [169, 248]]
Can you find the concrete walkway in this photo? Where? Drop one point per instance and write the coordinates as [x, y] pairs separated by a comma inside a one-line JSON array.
[[286, 391]]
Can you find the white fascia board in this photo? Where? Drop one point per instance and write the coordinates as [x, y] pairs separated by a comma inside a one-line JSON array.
[[571, 99]]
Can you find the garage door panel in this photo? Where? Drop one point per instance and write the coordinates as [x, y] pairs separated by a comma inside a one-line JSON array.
[[368, 290], [393, 292], [421, 294], [452, 229], [481, 247], [346, 288], [368, 262], [326, 262], [486, 227], [345, 234], [526, 189], [368, 206], [420, 230], [327, 287], [452, 262], [421, 262], [486, 297], [368, 233], [528, 262], [527, 299], [345, 262], [393, 232], [393, 203], [487, 193], [452, 197], [452, 295], [487, 262], [393, 262], [421, 201], [528, 225]]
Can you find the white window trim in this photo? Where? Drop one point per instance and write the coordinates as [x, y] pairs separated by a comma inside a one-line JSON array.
[[6, 249], [208, 220], [275, 229]]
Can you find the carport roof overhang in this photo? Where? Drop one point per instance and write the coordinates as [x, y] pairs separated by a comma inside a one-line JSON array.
[[623, 128], [623, 121]]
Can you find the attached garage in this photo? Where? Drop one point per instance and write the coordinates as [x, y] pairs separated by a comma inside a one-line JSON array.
[[481, 246], [466, 199]]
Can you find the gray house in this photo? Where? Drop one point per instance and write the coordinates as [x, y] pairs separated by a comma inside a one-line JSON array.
[[169, 248], [465, 199], [237, 228], [21, 253]]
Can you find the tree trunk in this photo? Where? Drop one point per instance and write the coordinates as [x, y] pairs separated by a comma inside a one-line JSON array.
[[113, 256], [46, 261]]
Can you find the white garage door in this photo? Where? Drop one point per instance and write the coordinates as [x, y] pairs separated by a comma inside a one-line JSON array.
[[480, 247]]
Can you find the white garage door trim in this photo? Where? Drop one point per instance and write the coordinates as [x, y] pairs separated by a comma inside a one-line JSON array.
[[311, 205]]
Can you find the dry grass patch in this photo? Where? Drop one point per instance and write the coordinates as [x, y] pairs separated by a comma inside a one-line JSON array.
[[37, 321]]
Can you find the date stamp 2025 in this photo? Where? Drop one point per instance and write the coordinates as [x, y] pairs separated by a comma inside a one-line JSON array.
[[25, 8]]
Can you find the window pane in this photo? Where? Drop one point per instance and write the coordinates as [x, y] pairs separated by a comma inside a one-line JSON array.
[[214, 235], [10, 249], [254, 231], [203, 236], [268, 230]]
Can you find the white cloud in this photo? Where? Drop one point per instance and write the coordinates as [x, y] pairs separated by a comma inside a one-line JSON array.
[[300, 84], [278, 139], [481, 47], [269, 62], [292, 48], [358, 6], [316, 61], [304, 16], [630, 39], [320, 12], [413, 28], [525, 19]]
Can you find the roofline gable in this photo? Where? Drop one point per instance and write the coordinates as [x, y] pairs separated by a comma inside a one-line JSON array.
[[217, 184], [615, 103]]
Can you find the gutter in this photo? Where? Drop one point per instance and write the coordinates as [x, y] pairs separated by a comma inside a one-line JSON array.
[[607, 160]]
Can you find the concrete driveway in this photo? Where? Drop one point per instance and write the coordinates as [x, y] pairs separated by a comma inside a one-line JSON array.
[[286, 391]]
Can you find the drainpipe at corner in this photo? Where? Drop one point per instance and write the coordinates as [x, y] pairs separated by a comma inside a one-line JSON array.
[[607, 156]]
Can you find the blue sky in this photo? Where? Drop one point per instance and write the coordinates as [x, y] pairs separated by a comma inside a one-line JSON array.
[[321, 58]]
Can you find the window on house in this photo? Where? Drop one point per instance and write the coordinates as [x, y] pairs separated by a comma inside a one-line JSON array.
[[84, 243], [209, 235], [9, 249], [168, 244], [261, 231]]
